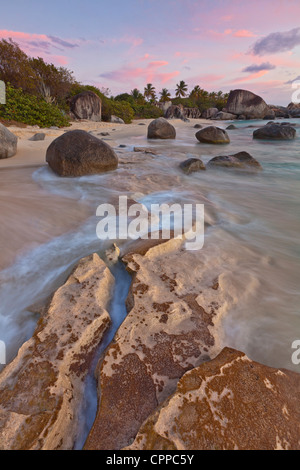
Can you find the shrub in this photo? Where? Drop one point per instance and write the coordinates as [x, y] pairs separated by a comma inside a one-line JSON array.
[[31, 110], [147, 111], [123, 110]]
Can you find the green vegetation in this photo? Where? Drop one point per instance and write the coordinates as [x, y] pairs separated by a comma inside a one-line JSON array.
[[40, 94], [30, 109]]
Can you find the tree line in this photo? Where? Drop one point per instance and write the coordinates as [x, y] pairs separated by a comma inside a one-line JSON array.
[[42, 83]]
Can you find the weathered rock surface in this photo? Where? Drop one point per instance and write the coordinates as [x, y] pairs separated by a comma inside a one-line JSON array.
[[241, 160], [37, 137], [210, 113], [8, 143], [161, 129], [225, 404], [150, 150], [78, 153], [166, 333], [192, 165], [213, 135], [247, 103], [279, 111], [180, 112], [275, 132], [41, 390], [222, 116], [86, 105]]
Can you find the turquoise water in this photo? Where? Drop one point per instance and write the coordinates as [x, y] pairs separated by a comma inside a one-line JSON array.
[[252, 244]]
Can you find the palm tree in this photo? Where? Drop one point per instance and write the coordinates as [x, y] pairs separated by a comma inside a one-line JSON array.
[[164, 95], [137, 96], [196, 93], [149, 92], [181, 89]]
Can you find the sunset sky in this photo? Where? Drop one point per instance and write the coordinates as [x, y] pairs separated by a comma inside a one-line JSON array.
[[123, 44]]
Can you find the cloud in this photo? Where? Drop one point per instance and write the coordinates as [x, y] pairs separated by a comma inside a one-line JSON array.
[[62, 42], [149, 73], [244, 33], [277, 42], [258, 68], [290, 82]]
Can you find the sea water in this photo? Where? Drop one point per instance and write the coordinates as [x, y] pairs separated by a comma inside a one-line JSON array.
[[252, 245]]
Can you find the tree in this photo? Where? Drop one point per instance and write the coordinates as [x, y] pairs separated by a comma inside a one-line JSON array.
[[181, 89], [149, 92], [53, 83], [15, 67], [164, 95], [137, 96], [196, 93]]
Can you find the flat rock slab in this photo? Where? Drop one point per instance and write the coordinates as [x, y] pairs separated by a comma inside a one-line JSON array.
[[41, 390], [225, 404], [166, 333]]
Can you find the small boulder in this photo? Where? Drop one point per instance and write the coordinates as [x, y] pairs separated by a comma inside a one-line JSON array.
[[8, 143], [116, 120], [37, 137], [241, 160], [161, 129], [275, 132], [231, 127], [192, 165], [198, 126], [223, 116], [213, 135], [78, 153]]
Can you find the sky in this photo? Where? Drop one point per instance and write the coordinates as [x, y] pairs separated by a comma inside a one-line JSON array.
[[125, 44]]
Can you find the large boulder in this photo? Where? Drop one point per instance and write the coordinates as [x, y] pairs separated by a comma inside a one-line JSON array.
[[294, 110], [78, 153], [274, 131], [213, 135], [229, 403], [8, 143], [247, 103], [86, 105], [41, 390], [241, 160], [161, 129]]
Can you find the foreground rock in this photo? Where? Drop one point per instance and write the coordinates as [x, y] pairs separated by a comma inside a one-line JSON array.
[[274, 131], [243, 102], [213, 135], [78, 153], [241, 160], [86, 105], [166, 333], [161, 129], [8, 143], [230, 403], [192, 165], [42, 389]]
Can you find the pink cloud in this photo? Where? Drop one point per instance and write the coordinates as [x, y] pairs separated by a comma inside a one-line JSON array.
[[244, 33], [251, 77], [150, 74]]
